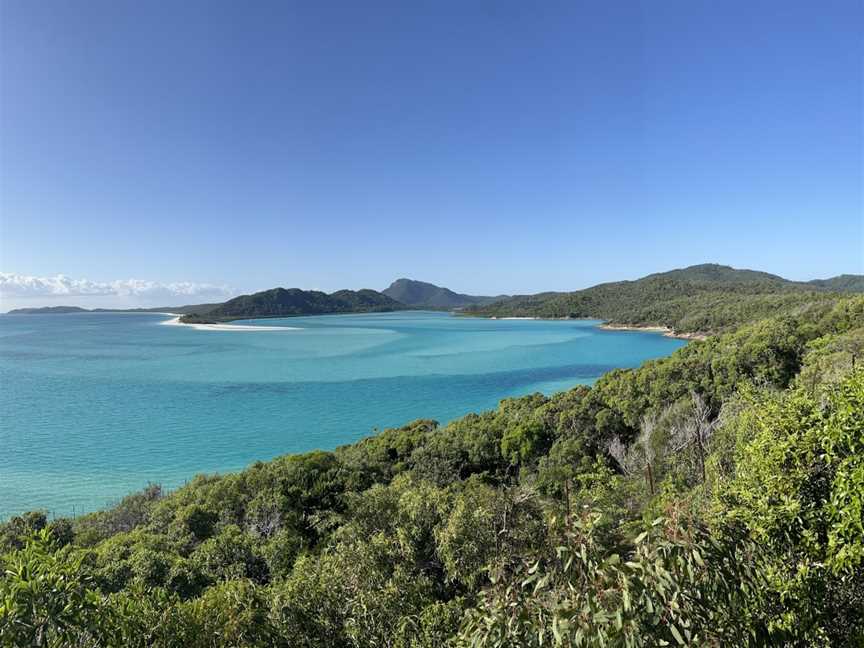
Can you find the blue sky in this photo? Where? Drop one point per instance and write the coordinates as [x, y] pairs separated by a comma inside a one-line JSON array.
[[210, 147]]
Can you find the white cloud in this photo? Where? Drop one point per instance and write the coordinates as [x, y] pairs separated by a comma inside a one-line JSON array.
[[16, 286]]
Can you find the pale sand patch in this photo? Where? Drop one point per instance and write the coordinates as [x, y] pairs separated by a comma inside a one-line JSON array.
[[665, 330], [175, 321]]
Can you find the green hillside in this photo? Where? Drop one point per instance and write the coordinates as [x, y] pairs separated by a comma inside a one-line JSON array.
[[841, 283], [705, 298], [280, 302]]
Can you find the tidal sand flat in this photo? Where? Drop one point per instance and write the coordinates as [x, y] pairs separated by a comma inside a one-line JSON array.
[[243, 328], [98, 405]]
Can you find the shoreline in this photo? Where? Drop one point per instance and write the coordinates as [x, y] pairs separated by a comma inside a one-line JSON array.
[[665, 330], [175, 321], [539, 319], [515, 318]]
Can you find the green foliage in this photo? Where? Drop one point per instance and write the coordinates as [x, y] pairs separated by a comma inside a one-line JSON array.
[[132, 511], [419, 294], [279, 302], [197, 521], [435, 626], [355, 594], [142, 617], [381, 457], [486, 527], [46, 597], [525, 441], [675, 586], [706, 298], [843, 445], [797, 490], [15, 532], [231, 555], [841, 283], [236, 612], [829, 358]]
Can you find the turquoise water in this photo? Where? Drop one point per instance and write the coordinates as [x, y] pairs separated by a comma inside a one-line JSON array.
[[95, 406]]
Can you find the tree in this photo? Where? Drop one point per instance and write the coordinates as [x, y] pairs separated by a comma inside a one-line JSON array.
[[672, 588], [47, 599], [696, 432], [15, 532], [638, 456], [798, 490]]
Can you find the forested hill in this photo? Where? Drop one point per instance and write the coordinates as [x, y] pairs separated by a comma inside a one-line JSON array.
[[419, 294], [705, 298], [281, 302], [843, 283], [711, 498]]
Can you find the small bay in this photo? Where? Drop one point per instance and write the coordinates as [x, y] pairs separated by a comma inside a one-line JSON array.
[[95, 406]]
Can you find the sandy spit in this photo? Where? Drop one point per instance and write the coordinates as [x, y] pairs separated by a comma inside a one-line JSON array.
[[175, 321]]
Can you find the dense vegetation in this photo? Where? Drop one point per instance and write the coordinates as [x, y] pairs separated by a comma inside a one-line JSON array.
[[705, 298], [841, 283], [280, 302], [713, 497], [419, 294]]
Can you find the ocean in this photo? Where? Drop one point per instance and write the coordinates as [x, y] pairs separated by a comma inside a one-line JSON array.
[[95, 406]]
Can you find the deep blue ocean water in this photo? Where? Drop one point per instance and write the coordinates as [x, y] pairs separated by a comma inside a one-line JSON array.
[[95, 406]]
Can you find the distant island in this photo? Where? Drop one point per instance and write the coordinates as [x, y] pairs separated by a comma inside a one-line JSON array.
[[66, 310], [402, 294], [48, 310], [282, 302]]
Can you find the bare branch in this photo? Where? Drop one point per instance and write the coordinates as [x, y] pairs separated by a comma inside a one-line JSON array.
[[618, 451]]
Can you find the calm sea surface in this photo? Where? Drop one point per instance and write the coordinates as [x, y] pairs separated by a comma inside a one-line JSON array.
[[95, 406]]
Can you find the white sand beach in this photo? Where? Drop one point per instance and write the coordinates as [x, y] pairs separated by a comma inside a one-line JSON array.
[[175, 321], [665, 330]]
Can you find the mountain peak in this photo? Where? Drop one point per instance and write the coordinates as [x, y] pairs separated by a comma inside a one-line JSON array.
[[421, 294]]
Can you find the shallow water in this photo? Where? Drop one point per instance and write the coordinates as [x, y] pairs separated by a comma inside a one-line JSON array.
[[95, 406]]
